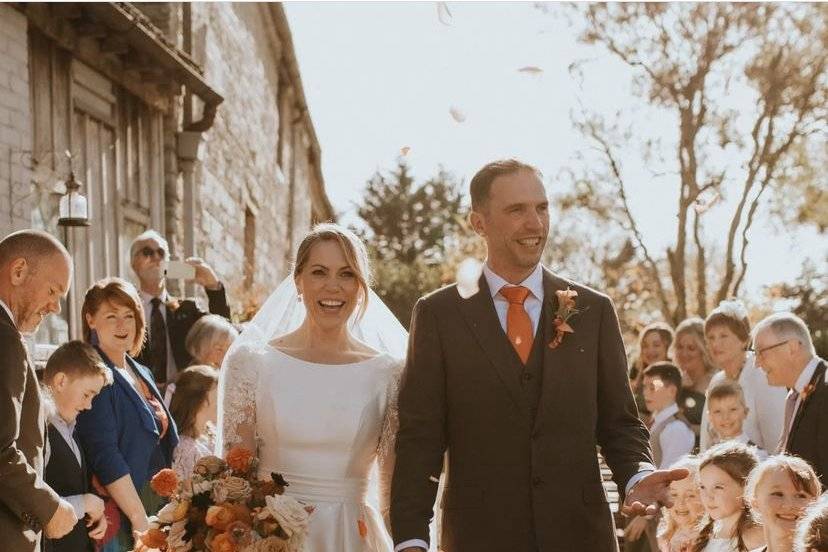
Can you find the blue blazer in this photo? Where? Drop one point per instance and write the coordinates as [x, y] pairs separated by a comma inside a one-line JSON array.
[[119, 434]]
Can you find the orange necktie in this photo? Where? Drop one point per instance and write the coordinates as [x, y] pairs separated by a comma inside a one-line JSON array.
[[518, 323]]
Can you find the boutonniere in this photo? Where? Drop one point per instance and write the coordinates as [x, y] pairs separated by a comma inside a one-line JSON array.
[[806, 392], [172, 305], [566, 310]]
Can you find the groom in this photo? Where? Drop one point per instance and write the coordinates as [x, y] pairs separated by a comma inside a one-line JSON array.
[[519, 406]]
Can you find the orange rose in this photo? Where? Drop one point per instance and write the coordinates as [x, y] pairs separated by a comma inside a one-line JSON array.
[[239, 459], [164, 483], [220, 517], [223, 543], [154, 538]]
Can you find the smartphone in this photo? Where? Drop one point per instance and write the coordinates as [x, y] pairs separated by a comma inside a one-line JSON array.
[[179, 269]]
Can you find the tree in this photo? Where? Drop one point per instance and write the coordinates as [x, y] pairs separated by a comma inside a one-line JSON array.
[[808, 299], [410, 229], [686, 57]]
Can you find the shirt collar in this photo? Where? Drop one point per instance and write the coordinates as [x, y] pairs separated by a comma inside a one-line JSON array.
[[533, 282], [57, 421], [662, 415], [8, 310], [147, 298], [806, 375]]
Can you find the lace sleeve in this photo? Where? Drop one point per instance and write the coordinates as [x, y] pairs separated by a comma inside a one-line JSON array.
[[237, 412], [385, 449], [185, 456]]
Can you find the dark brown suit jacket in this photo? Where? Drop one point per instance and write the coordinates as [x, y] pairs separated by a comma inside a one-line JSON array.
[[27, 503], [513, 485], [809, 432]]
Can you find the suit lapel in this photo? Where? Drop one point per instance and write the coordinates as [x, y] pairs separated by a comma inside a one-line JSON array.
[[481, 318], [552, 369], [817, 379], [147, 419]]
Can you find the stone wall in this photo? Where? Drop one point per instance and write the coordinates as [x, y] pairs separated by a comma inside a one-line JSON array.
[[240, 169], [15, 122]]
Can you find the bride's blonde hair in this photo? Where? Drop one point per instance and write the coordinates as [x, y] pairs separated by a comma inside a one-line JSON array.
[[355, 253]]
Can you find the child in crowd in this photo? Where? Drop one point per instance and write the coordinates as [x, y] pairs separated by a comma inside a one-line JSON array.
[[74, 375], [727, 411], [812, 530], [727, 526], [679, 526], [778, 491], [193, 407], [670, 435]]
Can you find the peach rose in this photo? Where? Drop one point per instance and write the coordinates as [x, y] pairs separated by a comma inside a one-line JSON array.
[[223, 543], [220, 517], [154, 538], [164, 483], [209, 466], [239, 459], [566, 298]]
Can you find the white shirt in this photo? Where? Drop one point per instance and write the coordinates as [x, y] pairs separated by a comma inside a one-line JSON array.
[[766, 404], [533, 303], [146, 299], [533, 306], [676, 439]]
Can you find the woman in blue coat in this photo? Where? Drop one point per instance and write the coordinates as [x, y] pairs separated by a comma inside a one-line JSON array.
[[129, 434]]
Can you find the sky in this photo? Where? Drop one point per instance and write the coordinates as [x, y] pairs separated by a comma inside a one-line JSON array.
[[383, 76]]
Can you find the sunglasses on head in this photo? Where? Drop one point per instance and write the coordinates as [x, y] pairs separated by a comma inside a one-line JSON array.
[[149, 252]]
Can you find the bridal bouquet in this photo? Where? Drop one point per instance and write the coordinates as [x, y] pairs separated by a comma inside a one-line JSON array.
[[222, 507]]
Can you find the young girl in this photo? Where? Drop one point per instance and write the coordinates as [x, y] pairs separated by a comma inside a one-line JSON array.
[[812, 531], [193, 405], [679, 526], [778, 491], [727, 526]]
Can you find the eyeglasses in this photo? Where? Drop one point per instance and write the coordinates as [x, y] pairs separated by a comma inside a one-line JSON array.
[[763, 350], [149, 252]]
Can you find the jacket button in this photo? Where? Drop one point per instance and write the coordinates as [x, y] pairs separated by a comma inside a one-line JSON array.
[[537, 481], [527, 377]]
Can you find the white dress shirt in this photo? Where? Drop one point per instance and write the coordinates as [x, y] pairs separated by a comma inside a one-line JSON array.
[[766, 408], [676, 439], [146, 299], [533, 306]]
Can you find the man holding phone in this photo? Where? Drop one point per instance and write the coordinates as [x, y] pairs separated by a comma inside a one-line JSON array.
[[170, 319]]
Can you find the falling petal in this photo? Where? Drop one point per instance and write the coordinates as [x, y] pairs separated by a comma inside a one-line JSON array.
[[531, 70], [457, 115], [404, 151], [443, 13], [468, 277]]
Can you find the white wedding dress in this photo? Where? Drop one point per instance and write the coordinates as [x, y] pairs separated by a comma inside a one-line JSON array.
[[323, 427]]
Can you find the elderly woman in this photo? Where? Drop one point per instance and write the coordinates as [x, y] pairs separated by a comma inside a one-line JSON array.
[[128, 435], [727, 334], [209, 339], [207, 342]]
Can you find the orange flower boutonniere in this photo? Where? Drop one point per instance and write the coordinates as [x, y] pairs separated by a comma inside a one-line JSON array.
[[566, 310], [806, 392]]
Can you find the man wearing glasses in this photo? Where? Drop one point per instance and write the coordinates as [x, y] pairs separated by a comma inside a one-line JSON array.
[[785, 351], [169, 319]]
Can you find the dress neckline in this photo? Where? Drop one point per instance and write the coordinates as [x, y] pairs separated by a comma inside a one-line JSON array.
[[322, 364]]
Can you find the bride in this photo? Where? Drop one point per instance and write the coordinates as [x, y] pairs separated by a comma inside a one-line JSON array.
[[311, 387]]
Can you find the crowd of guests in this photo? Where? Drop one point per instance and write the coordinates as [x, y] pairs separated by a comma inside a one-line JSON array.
[[744, 410], [136, 395]]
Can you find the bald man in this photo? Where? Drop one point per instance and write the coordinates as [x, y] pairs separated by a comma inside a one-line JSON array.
[[35, 271]]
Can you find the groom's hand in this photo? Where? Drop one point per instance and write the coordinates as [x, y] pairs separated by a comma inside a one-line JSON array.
[[653, 490]]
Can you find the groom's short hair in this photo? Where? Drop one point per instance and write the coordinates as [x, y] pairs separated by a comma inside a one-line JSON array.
[[481, 183]]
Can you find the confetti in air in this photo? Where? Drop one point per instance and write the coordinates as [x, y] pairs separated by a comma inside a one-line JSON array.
[[443, 13], [457, 115]]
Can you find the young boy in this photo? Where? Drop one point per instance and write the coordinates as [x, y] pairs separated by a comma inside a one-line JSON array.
[[671, 436], [727, 412], [73, 376]]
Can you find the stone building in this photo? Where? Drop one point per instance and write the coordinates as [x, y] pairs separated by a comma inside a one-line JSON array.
[[189, 118]]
